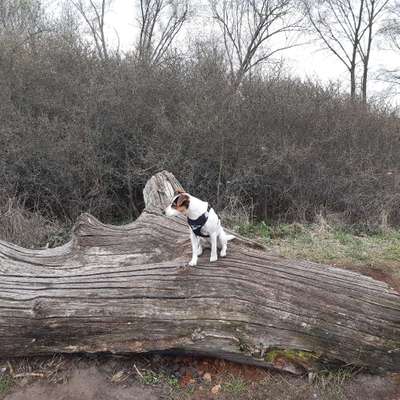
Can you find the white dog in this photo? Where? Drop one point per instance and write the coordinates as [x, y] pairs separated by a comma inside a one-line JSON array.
[[204, 223]]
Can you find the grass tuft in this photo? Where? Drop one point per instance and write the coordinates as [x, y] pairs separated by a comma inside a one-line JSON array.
[[5, 385], [331, 384], [235, 386], [152, 378]]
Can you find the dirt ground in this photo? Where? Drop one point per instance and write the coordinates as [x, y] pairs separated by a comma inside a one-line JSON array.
[[88, 384], [154, 377]]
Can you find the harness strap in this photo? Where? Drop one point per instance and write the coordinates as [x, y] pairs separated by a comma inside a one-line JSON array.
[[197, 224]]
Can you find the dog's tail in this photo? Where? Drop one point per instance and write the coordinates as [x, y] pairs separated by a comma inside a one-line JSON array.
[[228, 237]]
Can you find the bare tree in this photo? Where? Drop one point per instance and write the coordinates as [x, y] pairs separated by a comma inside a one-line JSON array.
[[346, 29], [391, 31], [374, 9], [68, 22], [22, 22], [392, 26], [339, 25], [160, 21], [21, 19], [93, 12], [249, 28]]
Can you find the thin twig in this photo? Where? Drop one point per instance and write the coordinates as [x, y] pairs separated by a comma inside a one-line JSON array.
[[138, 372]]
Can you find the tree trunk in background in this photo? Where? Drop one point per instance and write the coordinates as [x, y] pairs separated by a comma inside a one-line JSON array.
[[126, 289], [353, 83]]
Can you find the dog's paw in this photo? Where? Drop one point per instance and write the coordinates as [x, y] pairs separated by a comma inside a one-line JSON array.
[[213, 258], [222, 253], [192, 263]]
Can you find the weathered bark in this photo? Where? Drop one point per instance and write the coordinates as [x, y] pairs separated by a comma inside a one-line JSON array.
[[126, 289]]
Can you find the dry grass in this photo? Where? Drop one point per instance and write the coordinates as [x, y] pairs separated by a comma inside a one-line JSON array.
[[336, 245], [29, 229], [53, 368]]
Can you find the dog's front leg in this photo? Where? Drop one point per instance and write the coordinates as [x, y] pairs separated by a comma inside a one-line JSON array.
[[195, 246], [213, 241]]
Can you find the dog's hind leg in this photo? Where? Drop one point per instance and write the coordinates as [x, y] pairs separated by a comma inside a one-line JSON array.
[[199, 249], [213, 240], [223, 242]]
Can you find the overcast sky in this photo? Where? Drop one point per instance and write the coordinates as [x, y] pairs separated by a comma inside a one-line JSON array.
[[307, 61]]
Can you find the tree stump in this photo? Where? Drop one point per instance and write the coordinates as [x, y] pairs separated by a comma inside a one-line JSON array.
[[125, 289]]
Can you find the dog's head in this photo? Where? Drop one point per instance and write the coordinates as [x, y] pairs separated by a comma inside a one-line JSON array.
[[179, 205]]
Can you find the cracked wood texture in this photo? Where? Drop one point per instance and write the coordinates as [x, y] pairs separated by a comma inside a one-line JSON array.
[[126, 289]]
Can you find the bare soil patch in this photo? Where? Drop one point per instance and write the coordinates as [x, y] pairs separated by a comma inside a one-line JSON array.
[[84, 384]]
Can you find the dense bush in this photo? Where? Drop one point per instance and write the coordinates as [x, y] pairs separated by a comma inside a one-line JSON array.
[[78, 134]]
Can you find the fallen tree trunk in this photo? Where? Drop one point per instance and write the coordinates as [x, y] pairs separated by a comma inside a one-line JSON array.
[[126, 289]]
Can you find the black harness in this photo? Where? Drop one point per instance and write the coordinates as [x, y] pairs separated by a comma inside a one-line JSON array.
[[197, 224]]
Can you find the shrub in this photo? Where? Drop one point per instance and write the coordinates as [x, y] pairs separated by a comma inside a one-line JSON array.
[[81, 135]]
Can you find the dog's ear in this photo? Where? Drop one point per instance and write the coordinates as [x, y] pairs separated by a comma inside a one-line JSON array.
[[183, 200], [179, 191]]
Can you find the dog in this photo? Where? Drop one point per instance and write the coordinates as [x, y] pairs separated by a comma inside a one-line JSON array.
[[204, 223]]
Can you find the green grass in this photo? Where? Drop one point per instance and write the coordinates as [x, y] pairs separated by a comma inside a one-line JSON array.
[[334, 245], [235, 386], [5, 385], [153, 378]]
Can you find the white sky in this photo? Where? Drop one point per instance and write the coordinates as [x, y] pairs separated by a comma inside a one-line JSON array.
[[307, 61]]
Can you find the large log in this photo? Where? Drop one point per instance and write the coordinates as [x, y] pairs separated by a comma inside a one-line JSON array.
[[127, 289]]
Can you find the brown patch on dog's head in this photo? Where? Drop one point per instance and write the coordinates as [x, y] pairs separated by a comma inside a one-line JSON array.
[[181, 202]]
